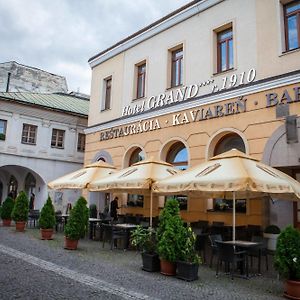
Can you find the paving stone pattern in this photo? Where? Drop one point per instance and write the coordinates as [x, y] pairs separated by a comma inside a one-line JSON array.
[[36, 269]]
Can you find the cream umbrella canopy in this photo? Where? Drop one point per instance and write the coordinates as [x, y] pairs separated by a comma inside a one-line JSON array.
[[231, 175], [80, 178], [138, 178]]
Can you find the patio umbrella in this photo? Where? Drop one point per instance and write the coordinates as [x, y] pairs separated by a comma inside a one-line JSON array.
[[138, 178], [80, 178], [231, 175]]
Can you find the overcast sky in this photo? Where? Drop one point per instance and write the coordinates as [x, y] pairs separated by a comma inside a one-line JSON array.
[[59, 36]]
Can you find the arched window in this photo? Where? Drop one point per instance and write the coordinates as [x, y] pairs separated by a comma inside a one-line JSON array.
[[134, 199], [30, 183], [101, 159], [229, 142], [136, 156], [13, 187], [178, 157]]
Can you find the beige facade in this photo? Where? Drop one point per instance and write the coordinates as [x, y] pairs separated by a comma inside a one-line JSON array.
[[254, 100]]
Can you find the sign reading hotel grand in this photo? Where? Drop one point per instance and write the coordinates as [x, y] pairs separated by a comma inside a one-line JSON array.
[[196, 115]]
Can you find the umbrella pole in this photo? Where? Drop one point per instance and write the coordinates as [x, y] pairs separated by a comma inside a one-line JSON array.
[[151, 204], [233, 218]]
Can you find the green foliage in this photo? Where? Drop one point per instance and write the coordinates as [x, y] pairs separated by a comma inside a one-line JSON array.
[[188, 252], [78, 220], [2, 137], [21, 209], [272, 229], [7, 208], [47, 218], [171, 232], [144, 239], [93, 211], [287, 254]]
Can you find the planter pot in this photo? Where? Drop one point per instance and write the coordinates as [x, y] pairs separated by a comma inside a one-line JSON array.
[[187, 271], [6, 222], [272, 240], [151, 262], [70, 244], [167, 267], [46, 234], [292, 289], [20, 226]]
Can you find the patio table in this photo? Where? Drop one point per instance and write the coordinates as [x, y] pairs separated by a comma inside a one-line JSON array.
[[246, 245], [127, 227]]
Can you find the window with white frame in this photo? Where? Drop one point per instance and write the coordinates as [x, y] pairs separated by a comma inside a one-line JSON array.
[[292, 25], [57, 139], [29, 134], [3, 124]]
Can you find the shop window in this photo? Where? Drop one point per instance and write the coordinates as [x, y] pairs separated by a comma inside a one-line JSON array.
[[81, 142], [177, 67], [3, 124], [227, 205], [228, 142], [107, 93], [29, 134], [178, 157], [140, 81], [57, 140], [292, 25], [225, 50], [30, 183], [134, 199]]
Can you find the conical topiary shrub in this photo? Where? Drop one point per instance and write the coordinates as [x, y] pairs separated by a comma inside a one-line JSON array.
[[47, 220], [77, 223], [20, 211], [6, 210], [171, 235]]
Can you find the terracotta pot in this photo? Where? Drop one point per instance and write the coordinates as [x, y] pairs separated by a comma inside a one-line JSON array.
[[6, 222], [70, 244], [46, 234], [20, 226], [292, 289], [167, 267]]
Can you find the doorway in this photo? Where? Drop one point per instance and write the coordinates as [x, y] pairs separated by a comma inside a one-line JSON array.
[[296, 175]]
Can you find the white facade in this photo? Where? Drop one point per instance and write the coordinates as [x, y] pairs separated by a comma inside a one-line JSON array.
[[44, 162]]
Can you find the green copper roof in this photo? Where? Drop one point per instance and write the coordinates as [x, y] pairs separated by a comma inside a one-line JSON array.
[[60, 102]]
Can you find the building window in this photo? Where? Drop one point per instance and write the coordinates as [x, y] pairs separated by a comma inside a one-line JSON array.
[[141, 78], [134, 200], [292, 25], [57, 140], [228, 142], [29, 134], [177, 67], [178, 157], [2, 129], [225, 50], [81, 142], [107, 95]]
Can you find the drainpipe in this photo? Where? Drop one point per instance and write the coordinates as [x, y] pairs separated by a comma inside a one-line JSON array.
[[8, 80]]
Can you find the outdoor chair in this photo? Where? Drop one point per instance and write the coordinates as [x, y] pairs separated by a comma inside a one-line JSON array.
[[259, 250], [214, 248], [200, 243], [253, 230], [228, 254], [33, 217], [112, 234]]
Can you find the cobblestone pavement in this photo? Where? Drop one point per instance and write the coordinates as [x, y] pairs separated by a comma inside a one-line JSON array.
[[36, 269]]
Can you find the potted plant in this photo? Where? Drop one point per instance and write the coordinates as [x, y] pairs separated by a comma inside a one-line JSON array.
[[47, 220], [271, 233], [145, 240], [287, 260], [188, 265], [93, 211], [77, 224], [6, 210], [169, 237], [20, 211]]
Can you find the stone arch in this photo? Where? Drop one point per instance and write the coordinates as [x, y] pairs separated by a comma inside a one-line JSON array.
[[103, 155], [129, 152], [218, 135], [167, 146]]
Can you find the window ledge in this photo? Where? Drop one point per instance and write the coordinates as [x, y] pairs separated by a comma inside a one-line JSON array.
[[289, 52], [175, 87], [137, 99], [224, 72], [103, 110]]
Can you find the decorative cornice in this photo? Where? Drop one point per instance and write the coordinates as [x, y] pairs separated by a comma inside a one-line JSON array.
[[255, 87], [153, 29]]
